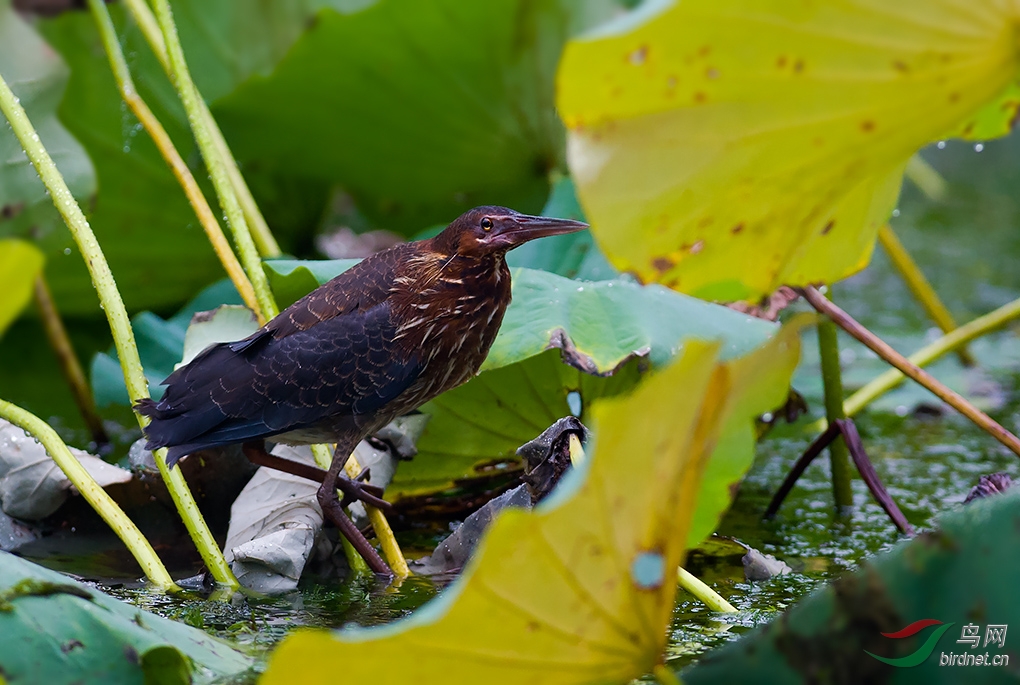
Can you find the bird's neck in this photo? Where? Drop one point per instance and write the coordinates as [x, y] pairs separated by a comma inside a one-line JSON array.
[[435, 274], [438, 295]]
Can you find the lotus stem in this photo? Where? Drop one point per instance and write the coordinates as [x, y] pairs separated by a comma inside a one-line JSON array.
[[709, 597], [116, 314], [911, 370], [832, 377], [885, 382], [192, 101], [93, 494], [919, 286], [70, 367], [926, 178], [180, 169], [263, 237], [577, 454]]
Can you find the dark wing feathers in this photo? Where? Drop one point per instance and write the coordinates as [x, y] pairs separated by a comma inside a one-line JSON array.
[[361, 287], [260, 336], [302, 368]]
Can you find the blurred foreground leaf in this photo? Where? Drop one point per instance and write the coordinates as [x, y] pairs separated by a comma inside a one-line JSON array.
[[20, 264], [728, 147], [56, 630], [580, 589], [957, 575]]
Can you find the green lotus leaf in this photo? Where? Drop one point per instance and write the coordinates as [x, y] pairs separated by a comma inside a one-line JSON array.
[[419, 109], [156, 248], [59, 631]]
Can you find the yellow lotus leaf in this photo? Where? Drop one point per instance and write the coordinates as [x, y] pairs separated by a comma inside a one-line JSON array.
[[581, 589], [20, 263], [727, 147]]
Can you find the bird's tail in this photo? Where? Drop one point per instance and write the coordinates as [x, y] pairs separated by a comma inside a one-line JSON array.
[[149, 407]]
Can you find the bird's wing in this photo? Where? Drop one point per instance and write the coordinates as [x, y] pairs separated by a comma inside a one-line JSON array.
[[363, 286], [346, 365]]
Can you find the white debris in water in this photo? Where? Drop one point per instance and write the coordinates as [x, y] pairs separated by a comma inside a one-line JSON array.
[[32, 486]]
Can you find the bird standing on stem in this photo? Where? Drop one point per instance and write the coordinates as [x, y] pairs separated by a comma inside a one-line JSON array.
[[374, 343]]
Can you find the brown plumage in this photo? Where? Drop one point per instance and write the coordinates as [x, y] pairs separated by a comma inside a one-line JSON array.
[[374, 343]]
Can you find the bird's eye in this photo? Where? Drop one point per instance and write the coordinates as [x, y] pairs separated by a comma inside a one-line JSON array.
[[486, 224]]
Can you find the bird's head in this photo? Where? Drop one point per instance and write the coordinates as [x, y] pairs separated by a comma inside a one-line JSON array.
[[494, 230]]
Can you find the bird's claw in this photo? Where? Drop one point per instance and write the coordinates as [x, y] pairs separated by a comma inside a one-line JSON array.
[[355, 491]]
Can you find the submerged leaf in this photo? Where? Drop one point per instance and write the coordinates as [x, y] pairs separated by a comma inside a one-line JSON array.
[[32, 486], [727, 147], [581, 588]]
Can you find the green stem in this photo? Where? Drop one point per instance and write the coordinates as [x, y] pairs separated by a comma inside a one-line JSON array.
[[229, 187], [180, 169], [839, 456], [885, 382], [911, 370], [116, 314], [70, 367], [263, 237], [709, 597], [926, 178], [357, 563], [93, 493], [323, 456], [218, 168], [921, 288]]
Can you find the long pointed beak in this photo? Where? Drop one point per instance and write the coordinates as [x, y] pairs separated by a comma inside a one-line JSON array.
[[525, 228]]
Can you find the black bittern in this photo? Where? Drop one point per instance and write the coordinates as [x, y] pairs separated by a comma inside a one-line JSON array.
[[374, 343]]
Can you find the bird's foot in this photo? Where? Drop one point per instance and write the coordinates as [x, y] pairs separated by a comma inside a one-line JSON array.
[[357, 491], [332, 509]]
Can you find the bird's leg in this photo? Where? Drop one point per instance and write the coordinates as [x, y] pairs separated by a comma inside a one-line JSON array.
[[334, 511], [257, 454]]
